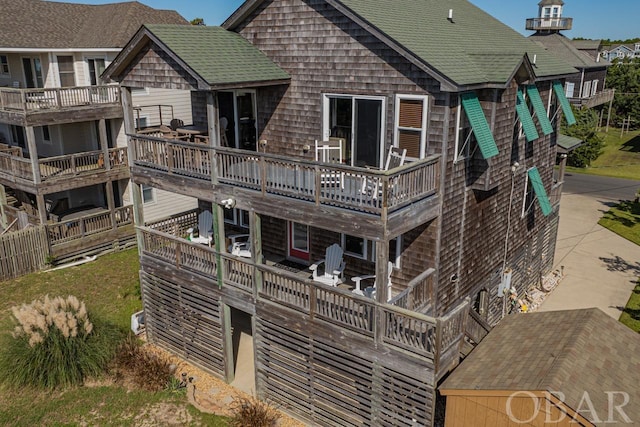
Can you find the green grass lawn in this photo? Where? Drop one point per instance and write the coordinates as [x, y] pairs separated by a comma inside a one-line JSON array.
[[631, 314], [620, 157], [109, 287], [624, 219]]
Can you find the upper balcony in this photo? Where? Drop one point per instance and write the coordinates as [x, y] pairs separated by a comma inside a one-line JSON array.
[[58, 173], [603, 97], [333, 196], [549, 24], [38, 106]]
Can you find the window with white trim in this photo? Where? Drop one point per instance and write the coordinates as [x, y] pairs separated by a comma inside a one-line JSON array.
[[411, 125], [96, 68], [66, 71], [465, 137], [148, 194], [46, 134], [139, 91], [4, 65], [594, 87], [141, 122], [354, 246], [586, 89], [239, 217], [528, 198], [569, 89]]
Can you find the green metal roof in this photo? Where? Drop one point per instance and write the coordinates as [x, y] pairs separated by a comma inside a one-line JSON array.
[[564, 103], [567, 143], [219, 56], [541, 193], [479, 124], [472, 48], [529, 128], [541, 112]]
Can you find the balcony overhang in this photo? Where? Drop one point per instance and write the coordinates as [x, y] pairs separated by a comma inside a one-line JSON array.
[[549, 24]]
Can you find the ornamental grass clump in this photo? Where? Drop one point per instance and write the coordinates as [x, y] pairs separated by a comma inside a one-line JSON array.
[[54, 343]]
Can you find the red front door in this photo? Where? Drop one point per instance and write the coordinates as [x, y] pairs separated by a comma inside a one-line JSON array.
[[299, 241]]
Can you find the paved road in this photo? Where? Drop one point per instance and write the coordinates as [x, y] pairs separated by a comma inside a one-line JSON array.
[[600, 187], [600, 267]]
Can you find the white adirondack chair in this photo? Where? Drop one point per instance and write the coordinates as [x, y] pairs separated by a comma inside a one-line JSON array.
[[395, 159], [205, 229], [360, 291], [333, 267], [240, 245]]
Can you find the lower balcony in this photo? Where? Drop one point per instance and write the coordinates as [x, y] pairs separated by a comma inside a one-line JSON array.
[[600, 98], [400, 323], [57, 173]]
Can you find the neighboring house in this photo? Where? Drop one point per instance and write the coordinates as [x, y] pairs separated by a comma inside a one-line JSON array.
[[466, 217], [64, 155], [587, 88], [622, 51], [561, 368]]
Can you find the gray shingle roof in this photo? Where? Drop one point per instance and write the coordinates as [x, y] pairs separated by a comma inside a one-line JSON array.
[[452, 48], [567, 143], [219, 56], [54, 25], [569, 351], [565, 48]]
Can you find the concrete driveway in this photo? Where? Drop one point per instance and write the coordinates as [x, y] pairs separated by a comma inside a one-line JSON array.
[[600, 267]]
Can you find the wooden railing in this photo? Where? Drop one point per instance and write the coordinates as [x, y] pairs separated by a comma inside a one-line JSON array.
[[16, 166], [477, 327], [325, 184], [176, 225], [37, 99], [387, 324], [602, 97], [419, 293], [78, 228], [75, 164]]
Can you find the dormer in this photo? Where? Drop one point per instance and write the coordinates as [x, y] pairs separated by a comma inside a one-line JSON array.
[[549, 18]]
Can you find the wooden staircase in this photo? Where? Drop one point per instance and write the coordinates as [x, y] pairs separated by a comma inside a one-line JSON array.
[[477, 329]]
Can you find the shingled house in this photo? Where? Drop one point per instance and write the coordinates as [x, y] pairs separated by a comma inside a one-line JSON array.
[[563, 368], [464, 216], [63, 157]]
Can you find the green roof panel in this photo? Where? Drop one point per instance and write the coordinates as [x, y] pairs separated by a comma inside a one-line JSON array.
[[541, 112], [564, 103], [541, 193], [478, 121], [529, 128], [219, 56]]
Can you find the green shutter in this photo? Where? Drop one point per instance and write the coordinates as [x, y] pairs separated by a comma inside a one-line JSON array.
[[564, 102], [541, 112], [541, 193], [479, 124], [528, 126]]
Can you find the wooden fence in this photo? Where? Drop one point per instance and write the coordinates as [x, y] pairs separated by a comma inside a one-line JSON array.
[[35, 99], [23, 252]]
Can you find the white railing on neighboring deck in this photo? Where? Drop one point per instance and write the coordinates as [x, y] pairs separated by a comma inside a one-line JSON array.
[[45, 99]]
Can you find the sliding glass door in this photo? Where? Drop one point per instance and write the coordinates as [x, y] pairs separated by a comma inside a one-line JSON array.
[[359, 121]]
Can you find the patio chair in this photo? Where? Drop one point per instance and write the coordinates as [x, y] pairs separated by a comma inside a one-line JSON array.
[[332, 274], [330, 152], [395, 158], [175, 124], [371, 290], [240, 245], [205, 229]]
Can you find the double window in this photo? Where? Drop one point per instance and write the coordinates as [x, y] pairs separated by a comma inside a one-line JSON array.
[[237, 217]]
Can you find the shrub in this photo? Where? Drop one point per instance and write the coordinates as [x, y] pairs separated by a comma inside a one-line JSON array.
[[136, 367], [54, 343], [251, 412]]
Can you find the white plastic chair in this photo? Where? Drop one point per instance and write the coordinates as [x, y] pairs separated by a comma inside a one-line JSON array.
[[360, 291], [331, 152], [240, 245], [333, 266], [395, 158]]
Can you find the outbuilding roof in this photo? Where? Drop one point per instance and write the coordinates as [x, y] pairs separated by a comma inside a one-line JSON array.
[[37, 24], [566, 353], [565, 48]]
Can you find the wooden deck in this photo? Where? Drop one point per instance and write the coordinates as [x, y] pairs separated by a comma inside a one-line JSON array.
[[36, 106], [17, 171], [374, 198]]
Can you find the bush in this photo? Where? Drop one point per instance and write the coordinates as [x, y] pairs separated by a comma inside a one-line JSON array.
[[55, 344], [251, 412], [136, 367]]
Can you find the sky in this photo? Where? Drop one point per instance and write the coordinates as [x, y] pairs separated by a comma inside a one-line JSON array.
[[590, 18]]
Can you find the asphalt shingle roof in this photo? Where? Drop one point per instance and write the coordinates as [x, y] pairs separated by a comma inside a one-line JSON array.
[[565, 48], [569, 351], [52, 25], [219, 56], [474, 48]]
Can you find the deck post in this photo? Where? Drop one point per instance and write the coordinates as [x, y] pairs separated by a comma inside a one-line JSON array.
[[42, 208], [214, 134], [255, 231], [104, 143], [219, 240], [3, 202], [110, 203], [33, 154], [138, 211], [129, 128]]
